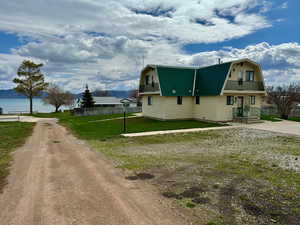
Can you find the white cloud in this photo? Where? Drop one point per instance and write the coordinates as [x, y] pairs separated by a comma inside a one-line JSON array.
[[134, 18], [103, 43], [280, 63]]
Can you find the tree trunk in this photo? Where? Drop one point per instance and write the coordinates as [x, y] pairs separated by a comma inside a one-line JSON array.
[[30, 100], [56, 108]]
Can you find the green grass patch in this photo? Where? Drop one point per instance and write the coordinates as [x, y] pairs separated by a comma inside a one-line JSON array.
[[270, 118], [297, 119], [92, 128], [12, 135]]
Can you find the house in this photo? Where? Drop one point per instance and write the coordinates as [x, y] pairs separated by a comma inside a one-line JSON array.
[[223, 92], [105, 101]]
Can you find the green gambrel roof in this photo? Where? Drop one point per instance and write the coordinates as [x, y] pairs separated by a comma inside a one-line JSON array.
[[210, 80], [180, 81]]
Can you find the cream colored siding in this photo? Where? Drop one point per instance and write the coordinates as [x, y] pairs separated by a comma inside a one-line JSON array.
[[237, 68], [207, 109], [215, 107], [174, 111], [167, 108], [156, 110]]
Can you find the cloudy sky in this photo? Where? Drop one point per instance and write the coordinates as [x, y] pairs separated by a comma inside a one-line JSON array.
[[105, 43]]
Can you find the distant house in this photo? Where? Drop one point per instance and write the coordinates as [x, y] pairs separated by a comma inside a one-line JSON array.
[[107, 102], [222, 92], [104, 102]]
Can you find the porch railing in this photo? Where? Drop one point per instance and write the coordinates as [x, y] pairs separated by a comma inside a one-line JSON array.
[[152, 87], [244, 85], [246, 112]]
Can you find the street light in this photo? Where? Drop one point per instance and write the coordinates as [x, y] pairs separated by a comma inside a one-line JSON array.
[[126, 103]]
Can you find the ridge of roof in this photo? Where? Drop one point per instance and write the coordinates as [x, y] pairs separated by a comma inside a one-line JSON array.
[[200, 67]]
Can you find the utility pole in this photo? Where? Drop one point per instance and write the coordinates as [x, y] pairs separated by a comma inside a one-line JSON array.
[[143, 57]]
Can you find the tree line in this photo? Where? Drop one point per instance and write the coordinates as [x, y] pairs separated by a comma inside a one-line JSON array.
[[30, 82]]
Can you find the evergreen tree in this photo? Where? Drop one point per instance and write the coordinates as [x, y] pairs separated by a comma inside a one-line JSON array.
[[30, 81], [87, 99]]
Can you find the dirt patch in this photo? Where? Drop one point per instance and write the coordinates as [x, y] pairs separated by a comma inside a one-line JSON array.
[[141, 176]]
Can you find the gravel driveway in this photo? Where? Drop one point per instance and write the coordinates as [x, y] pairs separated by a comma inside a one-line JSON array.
[[57, 180], [286, 127]]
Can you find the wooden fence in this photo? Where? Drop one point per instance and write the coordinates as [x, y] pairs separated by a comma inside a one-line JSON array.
[[105, 111], [272, 110]]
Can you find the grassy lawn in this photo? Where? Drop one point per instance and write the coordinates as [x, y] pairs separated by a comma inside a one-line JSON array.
[[297, 119], [91, 127], [270, 118], [237, 176], [12, 135]]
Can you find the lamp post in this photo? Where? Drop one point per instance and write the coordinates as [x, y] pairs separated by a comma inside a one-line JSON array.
[[126, 103]]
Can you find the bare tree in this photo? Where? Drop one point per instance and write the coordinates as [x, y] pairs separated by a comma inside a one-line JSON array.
[[285, 98], [135, 95], [58, 97]]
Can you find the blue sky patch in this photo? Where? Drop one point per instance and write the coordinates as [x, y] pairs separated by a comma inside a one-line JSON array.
[[9, 41]]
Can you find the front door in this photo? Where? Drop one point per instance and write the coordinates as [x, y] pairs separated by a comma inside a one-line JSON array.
[[240, 106]]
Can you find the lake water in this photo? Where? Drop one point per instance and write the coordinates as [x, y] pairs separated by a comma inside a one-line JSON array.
[[22, 104]]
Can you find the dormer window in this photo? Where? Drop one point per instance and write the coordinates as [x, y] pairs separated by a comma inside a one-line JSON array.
[[240, 78], [152, 82], [249, 75]]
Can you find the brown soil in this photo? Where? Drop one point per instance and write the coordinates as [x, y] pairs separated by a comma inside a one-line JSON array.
[[57, 180]]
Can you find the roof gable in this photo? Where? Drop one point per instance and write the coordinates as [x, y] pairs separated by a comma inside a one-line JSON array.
[[175, 81], [188, 81], [210, 80]]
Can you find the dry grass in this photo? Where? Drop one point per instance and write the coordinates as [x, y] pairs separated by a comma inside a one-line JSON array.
[[12, 135], [235, 176]]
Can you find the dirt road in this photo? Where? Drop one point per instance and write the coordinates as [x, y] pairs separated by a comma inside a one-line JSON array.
[[57, 180]]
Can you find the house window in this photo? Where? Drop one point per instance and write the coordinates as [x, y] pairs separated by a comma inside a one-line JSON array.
[[230, 74], [150, 100], [152, 82], [252, 100], [147, 79], [250, 75], [179, 100], [197, 100], [230, 100], [240, 78]]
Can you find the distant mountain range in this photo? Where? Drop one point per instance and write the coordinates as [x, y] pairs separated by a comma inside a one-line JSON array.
[[13, 94]]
